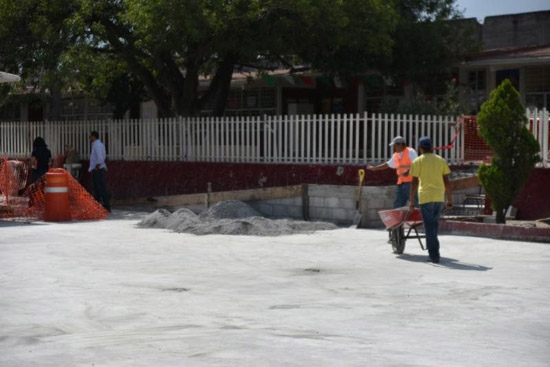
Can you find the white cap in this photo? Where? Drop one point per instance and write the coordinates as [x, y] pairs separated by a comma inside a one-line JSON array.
[[398, 139]]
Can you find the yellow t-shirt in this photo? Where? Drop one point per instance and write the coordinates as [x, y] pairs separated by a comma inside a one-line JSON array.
[[429, 168]]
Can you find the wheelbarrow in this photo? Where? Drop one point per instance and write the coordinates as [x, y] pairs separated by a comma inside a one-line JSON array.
[[401, 220]]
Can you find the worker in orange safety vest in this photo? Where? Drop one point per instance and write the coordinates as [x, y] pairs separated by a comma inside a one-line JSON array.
[[401, 161]]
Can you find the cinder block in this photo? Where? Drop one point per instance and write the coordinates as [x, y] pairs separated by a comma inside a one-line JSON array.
[[347, 203], [318, 190], [389, 193], [344, 191], [375, 224], [388, 204], [320, 213], [316, 201], [296, 201], [340, 214], [294, 212], [363, 205], [279, 211], [372, 215], [265, 209], [332, 202], [375, 203], [283, 201]]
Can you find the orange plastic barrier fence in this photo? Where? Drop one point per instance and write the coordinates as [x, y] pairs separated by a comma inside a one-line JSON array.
[[32, 202]]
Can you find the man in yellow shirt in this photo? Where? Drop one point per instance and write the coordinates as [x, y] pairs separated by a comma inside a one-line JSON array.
[[432, 173]]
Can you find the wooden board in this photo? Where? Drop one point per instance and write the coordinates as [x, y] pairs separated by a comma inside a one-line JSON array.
[[214, 197], [464, 183]]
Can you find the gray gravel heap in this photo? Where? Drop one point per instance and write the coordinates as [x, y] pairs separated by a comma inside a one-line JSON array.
[[156, 219], [230, 209], [230, 217]]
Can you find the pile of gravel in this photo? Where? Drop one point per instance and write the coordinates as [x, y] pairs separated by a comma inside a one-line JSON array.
[[230, 209], [156, 219], [230, 217]]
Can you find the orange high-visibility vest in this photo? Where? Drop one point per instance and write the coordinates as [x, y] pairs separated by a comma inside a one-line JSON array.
[[402, 165]]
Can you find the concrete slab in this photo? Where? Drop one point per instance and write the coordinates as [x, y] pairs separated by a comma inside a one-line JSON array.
[[109, 294]]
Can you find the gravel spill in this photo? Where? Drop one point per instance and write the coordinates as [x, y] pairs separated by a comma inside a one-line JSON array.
[[229, 218]]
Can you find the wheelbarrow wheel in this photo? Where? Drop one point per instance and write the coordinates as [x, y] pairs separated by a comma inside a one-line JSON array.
[[398, 240]]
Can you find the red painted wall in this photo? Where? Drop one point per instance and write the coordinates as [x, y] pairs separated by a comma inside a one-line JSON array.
[[533, 201], [146, 179]]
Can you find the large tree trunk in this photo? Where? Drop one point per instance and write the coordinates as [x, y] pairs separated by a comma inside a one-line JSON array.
[[54, 103], [161, 99], [220, 86], [186, 104]]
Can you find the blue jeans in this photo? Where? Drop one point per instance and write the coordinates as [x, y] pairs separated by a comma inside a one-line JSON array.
[[430, 217], [402, 193]]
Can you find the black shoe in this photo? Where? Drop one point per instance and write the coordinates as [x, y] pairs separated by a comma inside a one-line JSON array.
[[433, 260]]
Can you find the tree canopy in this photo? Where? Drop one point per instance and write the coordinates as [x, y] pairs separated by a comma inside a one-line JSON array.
[[163, 47]]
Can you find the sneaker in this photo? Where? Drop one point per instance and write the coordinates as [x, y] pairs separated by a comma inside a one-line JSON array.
[[433, 260]]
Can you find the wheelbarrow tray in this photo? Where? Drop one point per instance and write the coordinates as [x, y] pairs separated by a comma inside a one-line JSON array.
[[394, 218]]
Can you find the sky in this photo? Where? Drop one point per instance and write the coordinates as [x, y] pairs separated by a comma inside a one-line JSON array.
[[483, 8]]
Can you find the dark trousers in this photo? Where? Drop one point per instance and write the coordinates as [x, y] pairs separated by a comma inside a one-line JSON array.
[[100, 191], [430, 217], [36, 174], [402, 194]]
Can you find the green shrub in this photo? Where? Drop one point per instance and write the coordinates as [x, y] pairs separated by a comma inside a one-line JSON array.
[[502, 124]]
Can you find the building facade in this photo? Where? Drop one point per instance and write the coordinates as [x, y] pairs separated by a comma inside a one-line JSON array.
[[515, 47]]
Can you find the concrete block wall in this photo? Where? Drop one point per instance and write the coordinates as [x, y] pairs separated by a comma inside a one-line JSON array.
[[514, 30], [279, 208], [332, 203], [336, 204], [373, 199]]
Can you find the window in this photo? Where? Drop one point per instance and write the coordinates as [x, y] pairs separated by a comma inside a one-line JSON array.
[[536, 100], [537, 87], [476, 89]]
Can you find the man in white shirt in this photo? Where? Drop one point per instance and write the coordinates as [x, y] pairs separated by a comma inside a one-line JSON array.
[[401, 161], [98, 168]]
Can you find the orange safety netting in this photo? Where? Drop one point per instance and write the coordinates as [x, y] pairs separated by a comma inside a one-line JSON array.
[[475, 148], [31, 203], [13, 178]]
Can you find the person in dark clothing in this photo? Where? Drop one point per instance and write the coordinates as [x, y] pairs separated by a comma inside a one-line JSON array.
[[41, 158], [98, 169]]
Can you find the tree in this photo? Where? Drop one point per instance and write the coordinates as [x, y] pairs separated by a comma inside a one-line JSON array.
[[502, 123], [169, 44], [429, 40], [33, 38]]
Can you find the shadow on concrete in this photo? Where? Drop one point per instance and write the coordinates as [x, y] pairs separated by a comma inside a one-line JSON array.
[[127, 214], [443, 262], [19, 222]]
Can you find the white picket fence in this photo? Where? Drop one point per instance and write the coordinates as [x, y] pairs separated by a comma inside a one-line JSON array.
[[309, 139], [329, 139], [541, 131]]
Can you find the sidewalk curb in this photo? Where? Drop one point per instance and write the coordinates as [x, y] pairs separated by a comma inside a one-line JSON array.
[[497, 231]]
